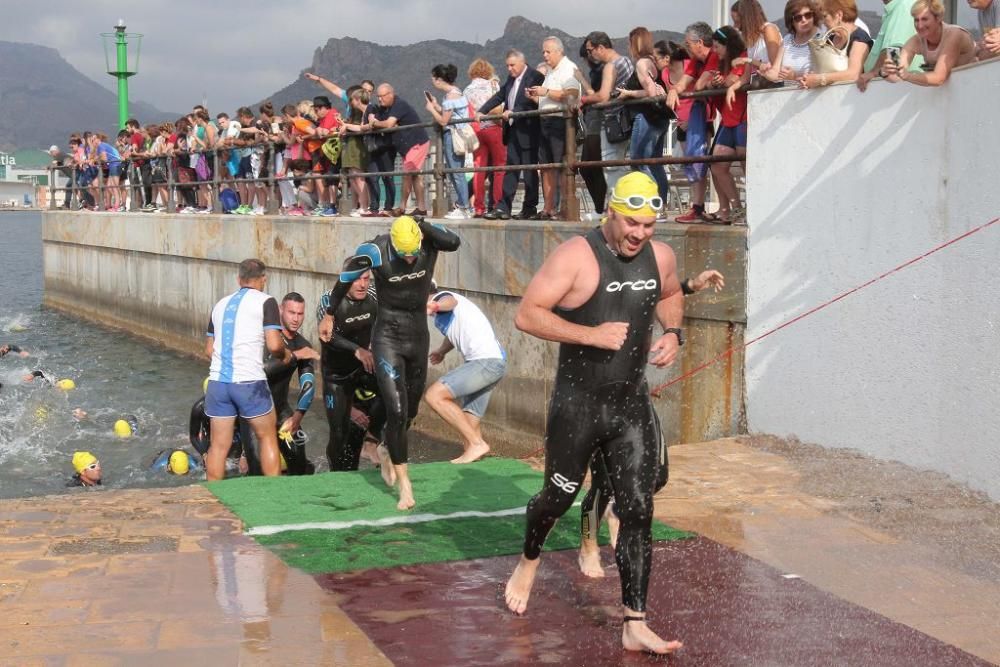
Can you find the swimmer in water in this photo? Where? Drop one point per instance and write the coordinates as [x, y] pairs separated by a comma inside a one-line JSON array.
[[88, 470], [175, 462], [7, 348], [46, 378]]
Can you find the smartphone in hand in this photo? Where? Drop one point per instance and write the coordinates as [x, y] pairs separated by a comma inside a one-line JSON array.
[[892, 53], [430, 98]]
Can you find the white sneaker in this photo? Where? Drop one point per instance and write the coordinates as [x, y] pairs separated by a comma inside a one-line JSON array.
[[356, 213], [590, 216], [457, 214], [258, 210]]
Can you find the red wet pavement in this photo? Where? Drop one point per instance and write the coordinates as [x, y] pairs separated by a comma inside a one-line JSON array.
[[728, 608]]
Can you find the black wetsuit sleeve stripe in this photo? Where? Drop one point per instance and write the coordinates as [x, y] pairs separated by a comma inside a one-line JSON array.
[[272, 316], [440, 238]]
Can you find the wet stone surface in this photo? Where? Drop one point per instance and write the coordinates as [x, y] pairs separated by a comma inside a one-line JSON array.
[[728, 609], [115, 546]]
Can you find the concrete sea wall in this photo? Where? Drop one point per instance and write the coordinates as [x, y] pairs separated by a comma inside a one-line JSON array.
[[843, 187], [158, 276]]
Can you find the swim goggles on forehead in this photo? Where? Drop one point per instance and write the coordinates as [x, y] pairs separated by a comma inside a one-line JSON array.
[[637, 202]]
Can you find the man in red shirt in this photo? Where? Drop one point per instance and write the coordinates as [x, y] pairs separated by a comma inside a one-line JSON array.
[[138, 141], [699, 70]]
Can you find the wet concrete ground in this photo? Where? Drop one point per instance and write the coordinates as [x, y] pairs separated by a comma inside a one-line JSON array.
[[895, 567]]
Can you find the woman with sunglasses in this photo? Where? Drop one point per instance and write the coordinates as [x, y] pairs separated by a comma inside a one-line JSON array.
[[793, 60]]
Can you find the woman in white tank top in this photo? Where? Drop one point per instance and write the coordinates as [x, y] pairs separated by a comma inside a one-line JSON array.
[[763, 39], [942, 45]]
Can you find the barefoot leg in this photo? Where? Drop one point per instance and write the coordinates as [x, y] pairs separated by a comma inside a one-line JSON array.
[[385, 463], [590, 558], [519, 585], [406, 500], [637, 636]]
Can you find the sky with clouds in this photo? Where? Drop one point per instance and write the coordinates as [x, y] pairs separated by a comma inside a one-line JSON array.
[[234, 52]]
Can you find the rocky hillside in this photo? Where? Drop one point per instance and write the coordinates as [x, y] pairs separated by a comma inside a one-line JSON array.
[[347, 60], [43, 98]]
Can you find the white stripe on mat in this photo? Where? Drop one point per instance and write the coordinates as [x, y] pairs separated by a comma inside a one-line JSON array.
[[387, 521]]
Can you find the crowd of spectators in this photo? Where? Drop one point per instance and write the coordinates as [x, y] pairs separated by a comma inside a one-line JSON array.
[[320, 148]]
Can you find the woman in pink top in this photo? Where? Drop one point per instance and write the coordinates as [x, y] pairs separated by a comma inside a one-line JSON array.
[[482, 86], [669, 58]]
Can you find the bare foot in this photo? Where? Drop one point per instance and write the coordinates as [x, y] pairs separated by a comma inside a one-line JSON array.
[[473, 453], [369, 451], [519, 585], [613, 524], [636, 636], [590, 559], [406, 500], [388, 472]]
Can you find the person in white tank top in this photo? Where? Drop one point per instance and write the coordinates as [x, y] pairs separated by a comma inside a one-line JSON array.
[[763, 39], [942, 45], [793, 60]]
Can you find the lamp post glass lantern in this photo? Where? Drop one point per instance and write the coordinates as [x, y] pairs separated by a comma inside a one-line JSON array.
[[116, 51]]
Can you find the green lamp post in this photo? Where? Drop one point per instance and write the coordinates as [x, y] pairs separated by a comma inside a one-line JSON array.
[[117, 42]]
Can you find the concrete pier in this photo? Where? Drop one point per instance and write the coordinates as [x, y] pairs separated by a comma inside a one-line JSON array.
[[158, 276]]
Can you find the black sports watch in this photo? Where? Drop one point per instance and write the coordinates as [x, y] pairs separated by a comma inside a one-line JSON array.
[[678, 332]]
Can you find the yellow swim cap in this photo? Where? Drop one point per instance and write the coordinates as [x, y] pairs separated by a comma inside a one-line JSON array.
[[178, 463], [123, 429], [81, 460], [636, 195], [66, 384], [204, 386], [41, 413], [406, 236]]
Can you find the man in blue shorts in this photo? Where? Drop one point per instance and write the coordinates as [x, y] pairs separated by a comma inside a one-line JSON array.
[[460, 397], [240, 326]]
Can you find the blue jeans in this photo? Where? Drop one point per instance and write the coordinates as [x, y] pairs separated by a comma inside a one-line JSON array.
[[647, 142], [453, 161], [472, 383]]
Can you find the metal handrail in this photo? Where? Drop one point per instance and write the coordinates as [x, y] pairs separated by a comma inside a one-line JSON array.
[[569, 166]]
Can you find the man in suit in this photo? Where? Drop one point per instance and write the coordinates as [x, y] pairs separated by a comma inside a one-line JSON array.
[[520, 135]]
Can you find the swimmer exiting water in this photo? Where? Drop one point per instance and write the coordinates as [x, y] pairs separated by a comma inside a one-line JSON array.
[[88, 470], [175, 462], [279, 377], [597, 503], [598, 295], [402, 263]]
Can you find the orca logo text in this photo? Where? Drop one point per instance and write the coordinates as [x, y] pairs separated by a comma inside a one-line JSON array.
[[634, 285], [358, 318], [408, 276]]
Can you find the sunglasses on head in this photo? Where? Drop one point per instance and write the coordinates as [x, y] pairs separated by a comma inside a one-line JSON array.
[[636, 202]]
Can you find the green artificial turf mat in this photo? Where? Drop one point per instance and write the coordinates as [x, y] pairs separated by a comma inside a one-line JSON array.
[[492, 485]]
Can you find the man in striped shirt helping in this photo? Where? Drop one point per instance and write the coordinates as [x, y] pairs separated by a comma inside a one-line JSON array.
[[240, 326]]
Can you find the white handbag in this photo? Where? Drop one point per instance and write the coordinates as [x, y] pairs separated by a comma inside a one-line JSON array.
[[826, 58], [464, 139]]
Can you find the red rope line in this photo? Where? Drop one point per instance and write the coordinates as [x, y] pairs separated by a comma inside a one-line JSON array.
[[656, 391]]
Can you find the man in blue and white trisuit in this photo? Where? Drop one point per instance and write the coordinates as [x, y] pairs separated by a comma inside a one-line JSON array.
[[240, 326], [460, 397]]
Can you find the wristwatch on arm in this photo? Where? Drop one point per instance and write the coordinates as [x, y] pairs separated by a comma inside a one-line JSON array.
[[677, 332]]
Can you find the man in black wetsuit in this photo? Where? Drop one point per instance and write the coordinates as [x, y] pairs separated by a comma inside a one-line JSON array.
[[598, 295], [402, 264], [348, 365], [595, 504], [279, 377]]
